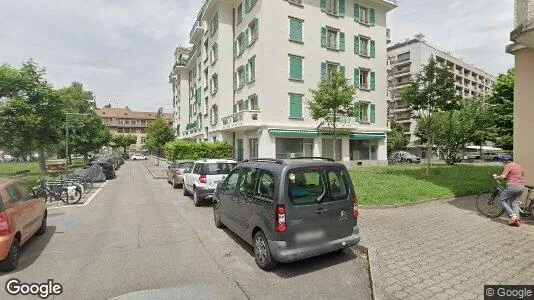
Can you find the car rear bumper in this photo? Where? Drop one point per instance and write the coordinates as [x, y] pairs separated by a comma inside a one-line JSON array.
[[204, 192], [282, 254], [5, 244]]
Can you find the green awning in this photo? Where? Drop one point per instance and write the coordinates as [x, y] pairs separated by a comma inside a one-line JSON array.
[[293, 133], [368, 136]]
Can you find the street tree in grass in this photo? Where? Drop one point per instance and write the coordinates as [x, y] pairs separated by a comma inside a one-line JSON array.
[[31, 112], [396, 138], [431, 90], [123, 140], [333, 98], [501, 101], [159, 133]]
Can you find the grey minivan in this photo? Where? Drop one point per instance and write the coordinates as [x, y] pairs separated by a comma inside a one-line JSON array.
[[289, 209]]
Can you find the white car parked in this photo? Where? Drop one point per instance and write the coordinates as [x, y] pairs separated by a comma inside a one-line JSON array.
[[138, 157], [203, 177]]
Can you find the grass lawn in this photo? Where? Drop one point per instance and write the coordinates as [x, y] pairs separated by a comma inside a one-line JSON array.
[[10, 169], [408, 183]]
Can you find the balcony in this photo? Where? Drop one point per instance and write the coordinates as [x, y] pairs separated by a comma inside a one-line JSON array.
[[243, 120], [523, 34], [196, 32]]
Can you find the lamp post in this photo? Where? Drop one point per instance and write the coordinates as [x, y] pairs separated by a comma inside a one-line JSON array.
[[67, 138]]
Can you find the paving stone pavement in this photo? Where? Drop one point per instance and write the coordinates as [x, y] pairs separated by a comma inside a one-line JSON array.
[[445, 250]]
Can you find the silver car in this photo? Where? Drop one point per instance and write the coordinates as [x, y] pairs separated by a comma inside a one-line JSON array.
[[204, 177], [176, 171]]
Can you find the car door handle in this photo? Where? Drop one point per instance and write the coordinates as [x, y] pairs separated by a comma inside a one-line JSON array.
[[321, 211]]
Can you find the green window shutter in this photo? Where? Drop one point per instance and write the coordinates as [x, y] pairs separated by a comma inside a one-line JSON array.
[[235, 108], [357, 44], [373, 113], [357, 111], [247, 73], [342, 7], [372, 17], [247, 5], [341, 41], [373, 81], [323, 70], [215, 51], [357, 78], [257, 28], [295, 67], [323, 36], [246, 104], [246, 38], [295, 30], [216, 114], [239, 13], [342, 69], [235, 49], [356, 12], [323, 5], [253, 69], [235, 81], [295, 106], [373, 49]]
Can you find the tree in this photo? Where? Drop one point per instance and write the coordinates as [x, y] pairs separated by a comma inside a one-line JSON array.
[[396, 138], [31, 117], [159, 133], [333, 98], [123, 140], [431, 90], [501, 101]]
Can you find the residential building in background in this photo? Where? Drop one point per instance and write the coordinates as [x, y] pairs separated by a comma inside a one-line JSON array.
[[249, 72], [407, 58], [522, 48], [125, 120]]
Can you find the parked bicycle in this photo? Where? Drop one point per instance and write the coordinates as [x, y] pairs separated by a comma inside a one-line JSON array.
[[85, 183], [488, 203], [58, 190]]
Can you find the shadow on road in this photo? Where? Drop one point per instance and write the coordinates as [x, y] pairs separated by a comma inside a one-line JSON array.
[[468, 203], [33, 248], [301, 267]]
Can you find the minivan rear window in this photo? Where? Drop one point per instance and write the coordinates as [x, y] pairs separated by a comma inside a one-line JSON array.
[[305, 186], [338, 184], [186, 165], [218, 168]]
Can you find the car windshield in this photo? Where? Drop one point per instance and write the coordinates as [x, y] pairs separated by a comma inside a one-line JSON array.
[[218, 168], [184, 165]]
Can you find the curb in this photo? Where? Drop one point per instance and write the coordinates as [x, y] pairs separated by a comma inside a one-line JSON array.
[[152, 174], [414, 203], [372, 261]]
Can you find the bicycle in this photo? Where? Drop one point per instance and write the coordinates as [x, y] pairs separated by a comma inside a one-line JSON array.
[[488, 203], [56, 191]]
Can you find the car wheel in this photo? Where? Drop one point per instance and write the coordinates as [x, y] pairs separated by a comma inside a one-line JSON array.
[[409, 161], [262, 253], [186, 193], [174, 184], [42, 229], [217, 215], [12, 259], [197, 201], [134, 158]]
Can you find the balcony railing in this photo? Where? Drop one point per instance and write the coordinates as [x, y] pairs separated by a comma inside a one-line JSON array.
[[244, 118]]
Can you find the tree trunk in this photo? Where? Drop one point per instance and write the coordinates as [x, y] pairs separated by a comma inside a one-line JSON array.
[[42, 161], [85, 158], [429, 146], [157, 163], [335, 115]]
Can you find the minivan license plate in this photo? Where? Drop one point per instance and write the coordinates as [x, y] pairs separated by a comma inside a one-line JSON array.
[[309, 236]]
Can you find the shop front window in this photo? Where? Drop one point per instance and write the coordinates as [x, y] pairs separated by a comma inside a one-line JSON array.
[[328, 149], [363, 149], [289, 147]]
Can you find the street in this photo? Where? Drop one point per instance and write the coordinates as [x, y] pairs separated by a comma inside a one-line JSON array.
[[139, 234]]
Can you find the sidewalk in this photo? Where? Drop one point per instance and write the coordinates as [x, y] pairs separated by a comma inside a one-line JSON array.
[[444, 250], [157, 172]]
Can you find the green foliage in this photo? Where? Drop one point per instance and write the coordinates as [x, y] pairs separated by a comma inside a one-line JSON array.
[[123, 140], [159, 133], [178, 150], [431, 90], [408, 184], [396, 138], [31, 117], [502, 109]]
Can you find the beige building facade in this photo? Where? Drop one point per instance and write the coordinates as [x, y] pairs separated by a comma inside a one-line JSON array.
[[522, 48], [248, 76]]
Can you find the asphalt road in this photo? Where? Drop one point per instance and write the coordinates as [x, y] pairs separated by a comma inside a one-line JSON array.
[[140, 238]]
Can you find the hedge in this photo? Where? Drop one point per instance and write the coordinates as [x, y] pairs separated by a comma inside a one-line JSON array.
[[180, 150]]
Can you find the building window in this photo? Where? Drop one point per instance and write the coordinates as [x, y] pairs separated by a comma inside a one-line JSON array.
[[364, 79], [363, 149], [403, 56], [328, 149], [206, 80], [253, 31], [239, 13], [214, 24], [251, 70], [143, 139], [254, 105], [253, 148], [214, 87], [290, 148], [295, 67], [206, 50], [241, 43], [364, 15], [241, 77], [332, 6], [295, 30], [331, 38], [364, 46], [214, 53], [249, 4], [206, 108], [295, 106], [364, 112]]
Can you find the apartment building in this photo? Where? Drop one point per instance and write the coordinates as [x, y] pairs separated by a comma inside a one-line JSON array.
[[125, 120], [248, 76], [522, 47], [408, 57]]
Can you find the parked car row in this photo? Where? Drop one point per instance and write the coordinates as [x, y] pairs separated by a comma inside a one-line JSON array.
[[286, 209], [108, 163], [403, 157]]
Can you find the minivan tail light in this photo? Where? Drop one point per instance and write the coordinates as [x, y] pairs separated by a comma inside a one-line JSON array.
[[203, 179], [281, 218], [178, 172], [5, 229], [355, 209]]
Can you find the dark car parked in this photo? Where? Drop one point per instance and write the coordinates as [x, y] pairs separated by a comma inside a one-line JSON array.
[[289, 209], [107, 165]]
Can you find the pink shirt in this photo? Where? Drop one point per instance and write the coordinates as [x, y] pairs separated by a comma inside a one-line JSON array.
[[513, 173]]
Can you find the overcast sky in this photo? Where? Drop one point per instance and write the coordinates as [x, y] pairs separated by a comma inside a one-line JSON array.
[[122, 50]]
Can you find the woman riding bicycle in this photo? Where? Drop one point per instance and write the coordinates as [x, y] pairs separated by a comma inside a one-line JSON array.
[[513, 173]]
